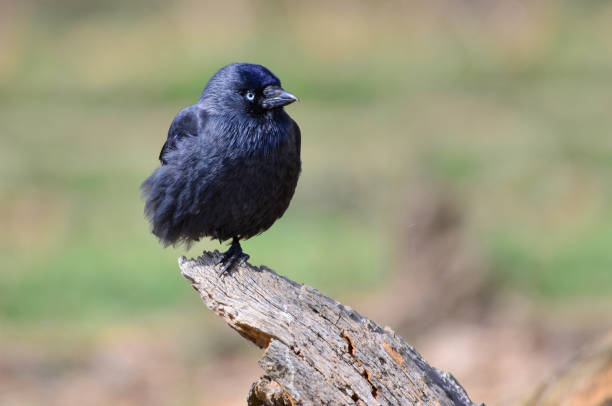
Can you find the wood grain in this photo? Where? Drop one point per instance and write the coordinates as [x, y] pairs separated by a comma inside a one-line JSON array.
[[318, 351]]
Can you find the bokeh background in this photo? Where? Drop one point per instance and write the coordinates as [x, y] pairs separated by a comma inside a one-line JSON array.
[[456, 186]]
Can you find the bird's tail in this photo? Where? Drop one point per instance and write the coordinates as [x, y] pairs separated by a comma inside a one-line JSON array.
[[161, 192]]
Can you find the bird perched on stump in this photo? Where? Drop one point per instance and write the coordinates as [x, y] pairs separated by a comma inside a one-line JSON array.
[[230, 165]]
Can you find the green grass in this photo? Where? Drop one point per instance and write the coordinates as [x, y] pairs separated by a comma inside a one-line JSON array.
[[578, 267], [515, 127], [113, 270]]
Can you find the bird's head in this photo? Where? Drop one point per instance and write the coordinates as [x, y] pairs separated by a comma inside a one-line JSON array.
[[247, 87]]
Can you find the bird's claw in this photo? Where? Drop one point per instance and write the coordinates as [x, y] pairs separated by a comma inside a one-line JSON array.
[[233, 256], [230, 262]]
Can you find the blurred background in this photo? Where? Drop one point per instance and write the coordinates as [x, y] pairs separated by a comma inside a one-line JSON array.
[[456, 186]]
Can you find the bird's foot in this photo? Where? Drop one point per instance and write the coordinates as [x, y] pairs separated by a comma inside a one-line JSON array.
[[233, 256]]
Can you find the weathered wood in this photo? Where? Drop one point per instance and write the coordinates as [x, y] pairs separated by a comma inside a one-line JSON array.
[[584, 381], [318, 351]]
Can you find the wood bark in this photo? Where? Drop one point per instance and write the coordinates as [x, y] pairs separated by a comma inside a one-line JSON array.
[[318, 351]]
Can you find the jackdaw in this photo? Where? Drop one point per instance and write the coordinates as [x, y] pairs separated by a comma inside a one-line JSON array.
[[230, 165]]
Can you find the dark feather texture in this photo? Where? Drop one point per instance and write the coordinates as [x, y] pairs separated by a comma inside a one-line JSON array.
[[231, 162]]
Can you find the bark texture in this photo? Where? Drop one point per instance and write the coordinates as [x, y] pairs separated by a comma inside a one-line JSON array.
[[318, 351]]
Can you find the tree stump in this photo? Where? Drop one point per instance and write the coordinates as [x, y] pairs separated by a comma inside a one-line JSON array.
[[318, 351]]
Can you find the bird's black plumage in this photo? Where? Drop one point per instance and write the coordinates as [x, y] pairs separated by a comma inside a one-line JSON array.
[[231, 162]]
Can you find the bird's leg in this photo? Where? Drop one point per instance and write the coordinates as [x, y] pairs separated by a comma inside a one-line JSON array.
[[232, 256]]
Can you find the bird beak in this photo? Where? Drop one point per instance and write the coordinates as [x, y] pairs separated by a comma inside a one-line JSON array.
[[275, 96]]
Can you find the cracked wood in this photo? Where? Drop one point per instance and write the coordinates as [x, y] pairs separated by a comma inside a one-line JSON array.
[[318, 351]]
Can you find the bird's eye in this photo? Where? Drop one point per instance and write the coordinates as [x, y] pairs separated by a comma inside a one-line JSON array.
[[250, 96]]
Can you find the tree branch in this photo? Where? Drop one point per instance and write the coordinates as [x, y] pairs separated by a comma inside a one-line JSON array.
[[318, 351]]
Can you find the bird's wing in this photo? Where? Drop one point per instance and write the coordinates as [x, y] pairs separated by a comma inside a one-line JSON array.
[[188, 122]]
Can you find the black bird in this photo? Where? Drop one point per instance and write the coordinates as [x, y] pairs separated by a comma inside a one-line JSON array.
[[230, 165]]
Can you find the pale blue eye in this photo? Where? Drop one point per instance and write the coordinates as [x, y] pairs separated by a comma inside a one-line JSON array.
[[250, 96]]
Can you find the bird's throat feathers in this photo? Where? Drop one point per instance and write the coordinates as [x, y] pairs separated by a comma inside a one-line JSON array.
[[257, 135]]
